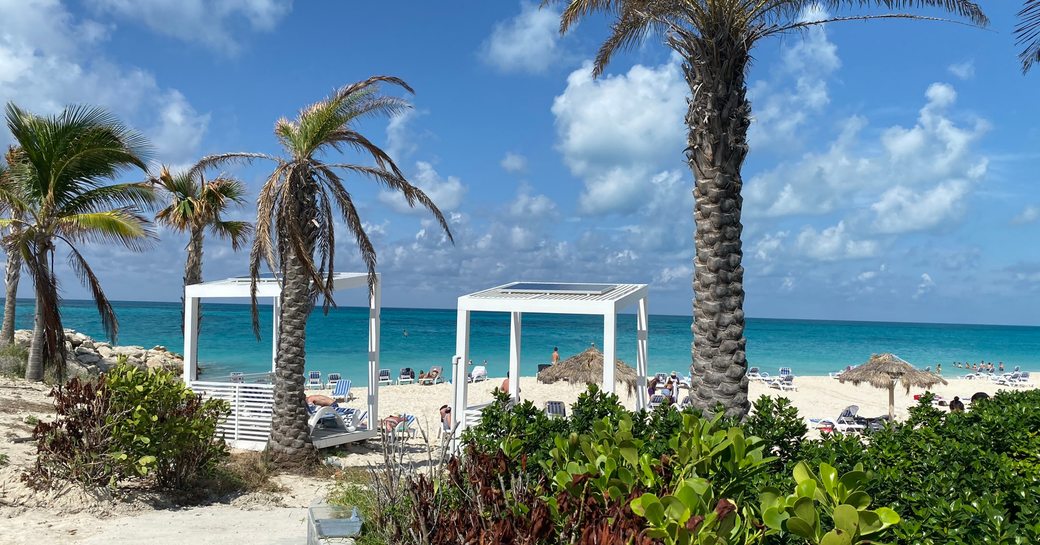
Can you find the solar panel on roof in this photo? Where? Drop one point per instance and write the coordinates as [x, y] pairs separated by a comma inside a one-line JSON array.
[[557, 288]]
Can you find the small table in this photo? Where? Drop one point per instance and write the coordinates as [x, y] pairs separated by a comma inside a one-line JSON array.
[[332, 524]]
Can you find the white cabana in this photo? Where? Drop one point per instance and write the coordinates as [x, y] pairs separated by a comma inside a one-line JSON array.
[[249, 424], [518, 298]]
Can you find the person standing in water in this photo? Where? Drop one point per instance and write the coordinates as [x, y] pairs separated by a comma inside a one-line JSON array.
[[555, 355]]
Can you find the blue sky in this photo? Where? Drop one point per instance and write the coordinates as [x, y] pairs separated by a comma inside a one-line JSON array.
[[891, 174]]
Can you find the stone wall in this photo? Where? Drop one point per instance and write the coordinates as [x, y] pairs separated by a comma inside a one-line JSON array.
[[90, 357]]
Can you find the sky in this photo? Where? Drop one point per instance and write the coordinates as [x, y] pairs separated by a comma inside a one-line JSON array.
[[891, 174]]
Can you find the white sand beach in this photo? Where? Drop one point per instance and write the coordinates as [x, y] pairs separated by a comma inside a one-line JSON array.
[[69, 516]]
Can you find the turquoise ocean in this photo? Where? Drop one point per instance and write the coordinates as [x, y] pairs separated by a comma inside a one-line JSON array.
[[420, 338]]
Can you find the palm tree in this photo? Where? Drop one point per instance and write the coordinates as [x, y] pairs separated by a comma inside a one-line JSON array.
[[13, 272], [197, 204], [715, 39], [1028, 33], [58, 185], [295, 229]]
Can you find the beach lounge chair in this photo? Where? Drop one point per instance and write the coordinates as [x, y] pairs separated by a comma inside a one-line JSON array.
[[556, 409], [314, 375], [342, 390], [783, 383], [331, 416], [657, 400], [237, 378], [753, 373], [403, 429], [384, 377], [785, 371], [433, 377], [662, 378], [334, 378], [478, 374], [406, 376], [314, 384], [844, 423]]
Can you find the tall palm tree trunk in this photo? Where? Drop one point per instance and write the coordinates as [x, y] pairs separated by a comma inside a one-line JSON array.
[[12, 275], [193, 269], [290, 436], [37, 352], [718, 118]]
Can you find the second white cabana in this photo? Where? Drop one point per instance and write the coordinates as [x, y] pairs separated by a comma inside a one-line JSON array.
[[517, 298]]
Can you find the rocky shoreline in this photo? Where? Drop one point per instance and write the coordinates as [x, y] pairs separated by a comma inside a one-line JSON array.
[[89, 357]]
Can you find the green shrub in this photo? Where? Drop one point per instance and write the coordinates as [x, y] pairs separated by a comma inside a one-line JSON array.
[[964, 478], [778, 423], [522, 424], [129, 424], [3, 459], [13, 359], [161, 427]]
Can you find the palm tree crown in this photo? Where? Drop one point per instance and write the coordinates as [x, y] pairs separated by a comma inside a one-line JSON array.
[[196, 205], [58, 186]]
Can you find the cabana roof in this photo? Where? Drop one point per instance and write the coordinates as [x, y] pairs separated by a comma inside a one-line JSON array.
[[266, 285], [555, 298]]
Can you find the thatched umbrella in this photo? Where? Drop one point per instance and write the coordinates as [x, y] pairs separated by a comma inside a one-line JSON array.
[[587, 368], [884, 371]]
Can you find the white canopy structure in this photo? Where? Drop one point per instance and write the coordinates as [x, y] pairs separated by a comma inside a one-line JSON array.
[[550, 298], [249, 424]]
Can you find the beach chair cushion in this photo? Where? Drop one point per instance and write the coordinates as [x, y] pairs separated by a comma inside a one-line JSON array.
[[556, 409]]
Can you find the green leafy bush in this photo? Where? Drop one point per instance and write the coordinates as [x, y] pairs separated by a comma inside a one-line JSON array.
[[963, 478], [161, 427], [13, 359], [3, 459], [129, 424], [780, 426]]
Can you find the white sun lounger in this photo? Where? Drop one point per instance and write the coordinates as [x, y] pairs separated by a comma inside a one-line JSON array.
[[844, 423]]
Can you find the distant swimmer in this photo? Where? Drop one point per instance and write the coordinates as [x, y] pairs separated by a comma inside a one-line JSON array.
[[406, 333]]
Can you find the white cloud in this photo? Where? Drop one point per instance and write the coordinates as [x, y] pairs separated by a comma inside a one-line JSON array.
[[926, 285], [798, 89], [208, 22], [399, 142], [527, 43], [676, 274], [514, 163], [446, 193], [618, 132], [900, 209], [963, 70], [48, 59], [833, 244], [1029, 214], [936, 153], [534, 207]]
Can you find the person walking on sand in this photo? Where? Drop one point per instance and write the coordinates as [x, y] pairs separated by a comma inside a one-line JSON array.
[[938, 369], [556, 355]]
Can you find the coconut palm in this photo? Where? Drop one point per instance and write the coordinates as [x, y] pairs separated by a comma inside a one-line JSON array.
[[715, 38], [58, 184], [196, 205], [1027, 33], [295, 228], [13, 272]]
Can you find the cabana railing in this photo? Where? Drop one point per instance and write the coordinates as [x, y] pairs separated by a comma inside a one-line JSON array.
[[248, 424]]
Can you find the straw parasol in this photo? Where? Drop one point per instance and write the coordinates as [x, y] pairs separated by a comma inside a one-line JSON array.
[[587, 368], [884, 371]]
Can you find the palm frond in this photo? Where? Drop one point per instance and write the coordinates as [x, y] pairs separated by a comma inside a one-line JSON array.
[[123, 225], [90, 281], [1027, 33], [106, 197], [235, 231], [221, 159]]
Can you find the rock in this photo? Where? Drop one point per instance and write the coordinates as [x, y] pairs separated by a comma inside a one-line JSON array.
[[88, 358], [83, 350], [106, 351], [158, 348], [87, 344], [75, 338]]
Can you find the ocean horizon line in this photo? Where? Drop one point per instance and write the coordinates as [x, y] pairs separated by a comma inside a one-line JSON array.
[[665, 314]]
